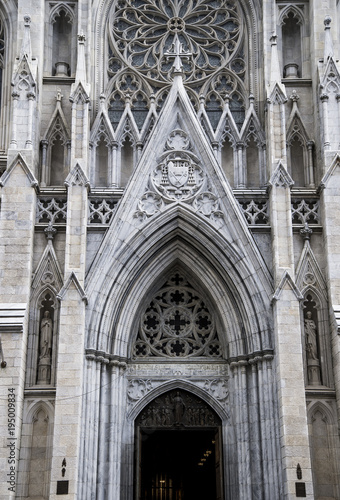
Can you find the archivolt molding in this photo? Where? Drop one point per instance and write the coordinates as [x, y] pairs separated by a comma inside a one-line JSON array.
[[198, 387], [135, 275]]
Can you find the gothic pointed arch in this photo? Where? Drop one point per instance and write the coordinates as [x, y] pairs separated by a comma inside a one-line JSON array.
[[8, 19], [55, 148], [317, 355], [44, 319], [186, 249], [324, 440], [253, 138], [35, 471], [299, 148], [60, 49], [102, 139]]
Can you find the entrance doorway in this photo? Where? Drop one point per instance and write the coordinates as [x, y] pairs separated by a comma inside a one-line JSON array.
[[178, 450]]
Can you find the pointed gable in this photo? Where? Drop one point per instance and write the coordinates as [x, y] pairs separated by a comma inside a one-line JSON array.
[[20, 162], [281, 177], [77, 177]]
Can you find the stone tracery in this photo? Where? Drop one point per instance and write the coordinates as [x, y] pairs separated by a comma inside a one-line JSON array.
[[143, 31], [176, 324]]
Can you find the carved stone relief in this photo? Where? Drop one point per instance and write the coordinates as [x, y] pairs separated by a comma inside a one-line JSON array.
[[217, 388], [177, 408], [179, 177]]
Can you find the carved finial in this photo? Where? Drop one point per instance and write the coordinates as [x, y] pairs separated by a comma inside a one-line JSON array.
[[251, 99], [306, 232], [328, 49], [27, 20], [273, 39], [81, 37], [327, 22], [177, 53], [59, 95], [50, 232], [295, 96], [81, 66], [102, 99]]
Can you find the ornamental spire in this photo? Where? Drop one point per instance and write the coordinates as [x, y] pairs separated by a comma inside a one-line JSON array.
[[81, 66], [328, 49], [26, 50]]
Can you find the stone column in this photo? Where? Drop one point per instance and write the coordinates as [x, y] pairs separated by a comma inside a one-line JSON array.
[[69, 390], [330, 205], [17, 220], [291, 389], [238, 369]]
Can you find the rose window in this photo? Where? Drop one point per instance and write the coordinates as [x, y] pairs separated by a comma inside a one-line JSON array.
[[143, 32], [177, 323]]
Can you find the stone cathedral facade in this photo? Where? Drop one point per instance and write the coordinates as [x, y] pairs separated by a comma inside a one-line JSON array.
[[170, 249]]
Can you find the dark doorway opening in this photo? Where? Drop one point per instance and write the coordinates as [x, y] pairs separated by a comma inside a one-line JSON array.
[[178, 449], [178, 464]]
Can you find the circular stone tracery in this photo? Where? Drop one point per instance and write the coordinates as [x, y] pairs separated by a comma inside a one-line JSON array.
[[143, 33]]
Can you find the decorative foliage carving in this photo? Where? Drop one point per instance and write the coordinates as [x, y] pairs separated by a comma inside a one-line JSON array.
[[177, 323], [137, 389], [149, 204], [177, 408], [51, 210]]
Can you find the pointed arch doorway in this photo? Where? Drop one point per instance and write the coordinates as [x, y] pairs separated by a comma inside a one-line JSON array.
[[178, 449]]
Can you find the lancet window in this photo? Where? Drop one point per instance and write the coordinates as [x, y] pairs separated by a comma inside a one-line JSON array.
[[294, 40], [61, 39], [55, 155]]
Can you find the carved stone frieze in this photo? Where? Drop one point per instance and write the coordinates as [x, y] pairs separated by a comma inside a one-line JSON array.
[[177, 408]]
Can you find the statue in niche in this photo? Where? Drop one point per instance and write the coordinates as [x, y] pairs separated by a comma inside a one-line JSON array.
[[313, 363], [45, 350], [311, 341]]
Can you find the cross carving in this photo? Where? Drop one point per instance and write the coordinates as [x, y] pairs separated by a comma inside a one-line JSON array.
[[177, 322], [177, 53]]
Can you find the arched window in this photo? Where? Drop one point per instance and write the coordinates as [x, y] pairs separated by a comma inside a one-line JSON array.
[[126, 160], [293, 40], [227, 160], [291, 46], [324, 440], [102, 163], [61, 49]]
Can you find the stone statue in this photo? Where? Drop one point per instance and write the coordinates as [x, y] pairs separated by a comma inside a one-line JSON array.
[[313, 363], [45, 344], [311, 337]]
